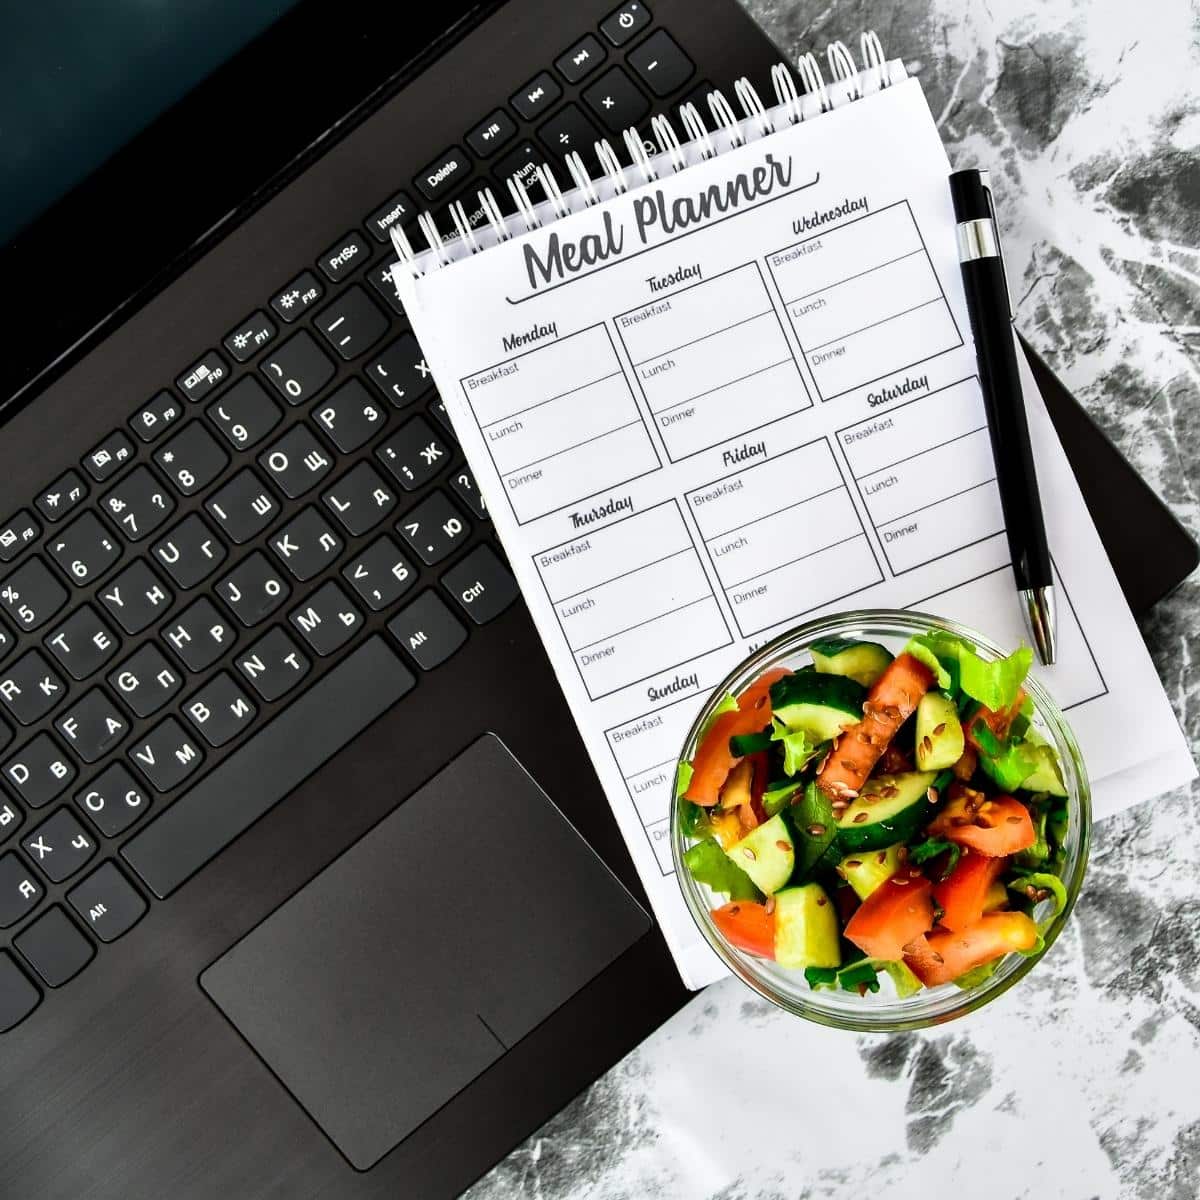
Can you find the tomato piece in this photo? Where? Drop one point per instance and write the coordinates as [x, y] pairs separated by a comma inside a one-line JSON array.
[[963, 893], [998, 722], [890, 702], [747, 925], [713, 761], [995, 827], [897, 911], [944, 955]]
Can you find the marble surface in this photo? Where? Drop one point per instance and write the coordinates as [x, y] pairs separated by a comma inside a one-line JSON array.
[[1084, 1083]]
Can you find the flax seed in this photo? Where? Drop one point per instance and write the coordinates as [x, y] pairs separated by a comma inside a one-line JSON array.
[[784, 846], [820, 901], [853, 863], [859, 818], [816, 829], [938, 730], [749, 853], [1013, 820], [770, 905], [899, 882]]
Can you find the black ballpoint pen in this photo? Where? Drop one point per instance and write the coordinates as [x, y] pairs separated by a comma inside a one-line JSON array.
[[990, 309]]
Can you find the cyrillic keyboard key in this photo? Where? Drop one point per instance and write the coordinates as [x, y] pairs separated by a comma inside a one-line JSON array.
[[136, 597], [273, 665], [220, 710], [254, 589], [191, 552], [113, 801], [108, 902], [55, 949], [83, 643], [59, 846], [351, 416], [167, 755], [10, 818], [360, 499], [20, 890], [199, 635], [18, 997], [434, 528], [39, 771], [401, 372], [29, 689], [92, 726], [327, 620], [380, 574], [256, 777], [243, 506], [146, 681], [297, 461]]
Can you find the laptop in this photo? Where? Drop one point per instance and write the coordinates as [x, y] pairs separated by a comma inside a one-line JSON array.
[[306, 886]]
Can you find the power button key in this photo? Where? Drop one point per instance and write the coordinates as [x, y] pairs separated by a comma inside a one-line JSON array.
[[619, 26]]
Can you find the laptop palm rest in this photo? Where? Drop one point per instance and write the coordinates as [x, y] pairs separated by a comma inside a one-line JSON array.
[[424, 952]]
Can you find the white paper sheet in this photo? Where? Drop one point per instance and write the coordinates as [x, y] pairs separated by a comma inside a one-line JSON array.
[[691, 440]]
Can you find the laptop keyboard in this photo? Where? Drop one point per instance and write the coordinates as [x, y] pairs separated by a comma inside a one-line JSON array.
[[218, 597]]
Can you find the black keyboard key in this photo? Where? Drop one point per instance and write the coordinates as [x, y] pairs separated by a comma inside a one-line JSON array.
[[10, 818], [67, 491], [136, 597], [7, 641], [481, 584], [220, 710], [491, 133], [20, 890], [191, 552], [360, 499], [473, 210], [109, 457], [203, 377], [199, 635], [153, 419], [146, 682], [6, 736], [570, 130], [108, 902], [328, 619], [244, 507], [298, 369], [246, 414], [414, 454], [298, 297], [31, 595], [297, 462], [434, 529], [380, 279], [306, 545], [39, 772], [250, 336], [254, 589], [437, 410], [59, 846], [428, 630], [398, 210], [581, 59], [84, 549], [443, 175], [138, 504], [18, 997], [93, 725], [83, 643], [521, 164], [350, 416], [623, 23], [19, 531], [257, 776], [193, 458], [113, 801], [536, 96], [467, 490], [273, 665], [352, 324], [346, 254], [29, 689], [401, 372], [54, 948], [615, 99], [167, 755], [380, 574], [660, 63]]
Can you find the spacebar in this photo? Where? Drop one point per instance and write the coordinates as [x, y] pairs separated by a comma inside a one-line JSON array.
[[202, 822]]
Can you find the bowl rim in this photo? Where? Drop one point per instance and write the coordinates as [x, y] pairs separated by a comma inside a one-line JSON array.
[[947, 1002]]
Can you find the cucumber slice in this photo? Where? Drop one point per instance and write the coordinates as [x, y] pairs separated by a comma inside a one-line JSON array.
[[863, 662], [1046, 776], [766, 854], [821, 705], [806, 928], [940, 740], [742, 744], [889, 809], [866, 870]]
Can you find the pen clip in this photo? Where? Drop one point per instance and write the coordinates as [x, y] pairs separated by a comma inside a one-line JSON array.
[[986, 180]]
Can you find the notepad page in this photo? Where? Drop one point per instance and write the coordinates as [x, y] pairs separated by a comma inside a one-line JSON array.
[[740, 397]]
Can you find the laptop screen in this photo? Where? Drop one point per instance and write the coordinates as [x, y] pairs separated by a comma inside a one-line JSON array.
[[75, 88]]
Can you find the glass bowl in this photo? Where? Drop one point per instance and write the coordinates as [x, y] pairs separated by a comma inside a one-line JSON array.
[[884, 1011]]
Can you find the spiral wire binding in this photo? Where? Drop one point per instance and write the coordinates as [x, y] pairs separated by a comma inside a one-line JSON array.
[[699, 143]]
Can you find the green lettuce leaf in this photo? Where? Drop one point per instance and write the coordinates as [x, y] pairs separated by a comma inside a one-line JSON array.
[[978, 975], [776, 798], [931, 848], [707, 863], [1041, 881], [918, 646], [798, 750], [683, 778], [957, 665], [816, 829]]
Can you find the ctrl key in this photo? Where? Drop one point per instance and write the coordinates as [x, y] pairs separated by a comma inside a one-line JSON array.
[[108, 903], [481, 584]]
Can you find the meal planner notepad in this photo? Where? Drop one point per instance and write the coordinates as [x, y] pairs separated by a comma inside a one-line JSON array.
[[731, 387]]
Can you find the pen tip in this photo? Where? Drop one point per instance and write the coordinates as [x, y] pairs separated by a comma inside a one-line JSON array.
[[1038, 606]]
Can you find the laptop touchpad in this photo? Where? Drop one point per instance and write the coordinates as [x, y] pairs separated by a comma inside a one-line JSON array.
[[419, 956]]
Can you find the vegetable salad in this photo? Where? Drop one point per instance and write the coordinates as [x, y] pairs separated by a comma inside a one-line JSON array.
[[872, 815]]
